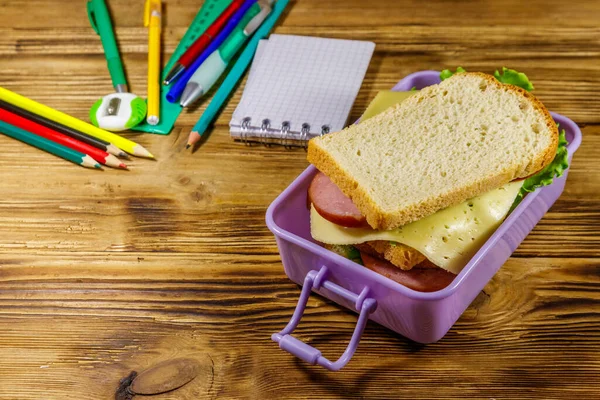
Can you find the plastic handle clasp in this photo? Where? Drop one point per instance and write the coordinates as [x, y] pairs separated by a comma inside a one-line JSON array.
[[365, 306]]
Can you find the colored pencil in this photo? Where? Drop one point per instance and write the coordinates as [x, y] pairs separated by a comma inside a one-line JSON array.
[[47, 145], [101, 156], [65, 130], [202, 42], [235, 74], [72, 122]]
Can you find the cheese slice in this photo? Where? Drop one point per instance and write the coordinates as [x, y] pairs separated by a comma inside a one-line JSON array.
[[384, 100], [449, 238]]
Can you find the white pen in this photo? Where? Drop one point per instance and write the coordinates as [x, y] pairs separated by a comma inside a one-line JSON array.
[[212, 68]]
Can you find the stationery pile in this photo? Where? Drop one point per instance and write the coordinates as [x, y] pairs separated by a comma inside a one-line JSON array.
[[77, 141], [298, 87], [206, 59]]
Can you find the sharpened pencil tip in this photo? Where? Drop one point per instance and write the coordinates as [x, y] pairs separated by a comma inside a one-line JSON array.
[[142, 152], [187, 146], [193, 139], [123, 166], [89, 162], [114, 150]]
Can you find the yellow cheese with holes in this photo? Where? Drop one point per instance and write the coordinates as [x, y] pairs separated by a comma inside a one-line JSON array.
[[449, 238], [384, 100]]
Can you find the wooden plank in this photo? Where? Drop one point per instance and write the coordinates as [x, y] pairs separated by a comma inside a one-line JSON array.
[[324, 13], [78, 335], [546, 54]]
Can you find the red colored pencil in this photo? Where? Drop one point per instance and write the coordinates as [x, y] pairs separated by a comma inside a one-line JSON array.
[[101, 156], [202, 42]]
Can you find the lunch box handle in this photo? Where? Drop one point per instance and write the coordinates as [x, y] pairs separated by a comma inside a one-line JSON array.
[[298, 348]]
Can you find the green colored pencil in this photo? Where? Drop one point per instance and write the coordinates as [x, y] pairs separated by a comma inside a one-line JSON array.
[[47, 145]]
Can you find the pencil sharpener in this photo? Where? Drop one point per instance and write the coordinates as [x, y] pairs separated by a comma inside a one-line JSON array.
[[118, 111]]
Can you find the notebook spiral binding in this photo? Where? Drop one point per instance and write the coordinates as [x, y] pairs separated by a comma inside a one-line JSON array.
[[268, 136]]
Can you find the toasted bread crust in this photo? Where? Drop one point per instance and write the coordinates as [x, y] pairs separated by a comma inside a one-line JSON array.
[[381, 219], [400, 255]]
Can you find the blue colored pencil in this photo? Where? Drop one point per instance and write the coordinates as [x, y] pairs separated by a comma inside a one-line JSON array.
[[178, 87], [235, 74]]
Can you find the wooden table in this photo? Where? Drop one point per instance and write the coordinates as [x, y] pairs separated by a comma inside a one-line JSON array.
[[104, 273]]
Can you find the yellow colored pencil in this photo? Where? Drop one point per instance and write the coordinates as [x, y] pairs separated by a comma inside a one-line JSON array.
[[72, 122], [152, 19]]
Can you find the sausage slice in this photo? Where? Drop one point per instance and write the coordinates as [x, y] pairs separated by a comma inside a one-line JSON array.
[[332, 204], [420, 279]]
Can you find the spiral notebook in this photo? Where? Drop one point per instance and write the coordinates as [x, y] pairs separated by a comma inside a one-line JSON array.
[[300, 87]]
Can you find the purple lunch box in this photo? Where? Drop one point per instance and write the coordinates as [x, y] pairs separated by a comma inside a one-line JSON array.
[[422, 317]]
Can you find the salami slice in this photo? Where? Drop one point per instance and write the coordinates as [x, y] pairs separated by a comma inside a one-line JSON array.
[[420, 279], [332, 204]]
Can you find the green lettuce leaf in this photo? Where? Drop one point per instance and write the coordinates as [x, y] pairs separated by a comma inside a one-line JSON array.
[[354, 255], [543, 178], [445, 74], [348, 251], [513, 77], [508, 75]]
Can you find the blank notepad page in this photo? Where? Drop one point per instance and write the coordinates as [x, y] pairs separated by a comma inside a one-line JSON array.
[[300, 79]]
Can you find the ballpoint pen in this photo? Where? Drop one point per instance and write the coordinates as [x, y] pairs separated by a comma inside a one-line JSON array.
[[235, 74], [245, 13], [211, 69], [152, 19], [202, 42], [101, 23]]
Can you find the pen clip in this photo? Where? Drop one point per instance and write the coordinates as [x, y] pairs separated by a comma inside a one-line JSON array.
[[151, 7], [265, 10], [92, 16]]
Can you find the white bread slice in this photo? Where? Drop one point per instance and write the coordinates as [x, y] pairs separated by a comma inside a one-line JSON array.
[[448, 143]]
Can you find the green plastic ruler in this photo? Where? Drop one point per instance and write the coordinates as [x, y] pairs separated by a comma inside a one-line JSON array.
[[169, 112]]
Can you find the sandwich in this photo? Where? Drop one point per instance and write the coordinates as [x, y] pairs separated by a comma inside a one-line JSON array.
[[413, 192]]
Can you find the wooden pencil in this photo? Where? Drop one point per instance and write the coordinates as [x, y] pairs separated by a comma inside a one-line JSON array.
[[47, 145], [99, 155], [65, 130]]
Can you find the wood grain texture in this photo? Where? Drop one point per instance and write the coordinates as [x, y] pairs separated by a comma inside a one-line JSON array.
[[105, 273]]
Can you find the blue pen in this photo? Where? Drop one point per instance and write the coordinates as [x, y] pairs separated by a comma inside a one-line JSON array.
[[211, 69], [179, 86], [235, 74]]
